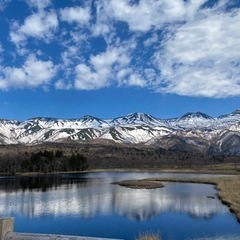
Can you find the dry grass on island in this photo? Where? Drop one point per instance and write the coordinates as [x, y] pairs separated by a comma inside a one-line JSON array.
[[140, 184], [228, 187]]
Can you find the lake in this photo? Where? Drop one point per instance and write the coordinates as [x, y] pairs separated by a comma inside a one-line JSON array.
[[89, 205]]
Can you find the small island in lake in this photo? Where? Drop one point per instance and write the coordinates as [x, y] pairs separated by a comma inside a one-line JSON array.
[[140, 184]]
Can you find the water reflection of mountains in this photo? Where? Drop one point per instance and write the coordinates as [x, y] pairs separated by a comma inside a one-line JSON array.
[[80, 196]]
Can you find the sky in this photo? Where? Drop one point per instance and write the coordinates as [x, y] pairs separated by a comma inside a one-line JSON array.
[[109, 58]]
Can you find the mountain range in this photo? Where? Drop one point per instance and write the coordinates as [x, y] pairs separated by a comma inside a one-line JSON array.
[[191, 132]]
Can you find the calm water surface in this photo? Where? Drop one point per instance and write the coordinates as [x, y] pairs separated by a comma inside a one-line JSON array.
[[89, 205]]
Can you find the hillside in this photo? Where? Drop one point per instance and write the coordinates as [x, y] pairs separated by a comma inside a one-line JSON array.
[[191, 132]]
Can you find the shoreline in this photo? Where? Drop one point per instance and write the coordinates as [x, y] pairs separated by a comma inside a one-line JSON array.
[[150, 170], [228, 188]]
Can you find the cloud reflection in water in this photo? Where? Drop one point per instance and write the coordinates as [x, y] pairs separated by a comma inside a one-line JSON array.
[[92, 197]]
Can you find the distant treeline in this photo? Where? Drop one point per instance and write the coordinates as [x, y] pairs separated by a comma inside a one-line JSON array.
[[45, 162], [75, 156]]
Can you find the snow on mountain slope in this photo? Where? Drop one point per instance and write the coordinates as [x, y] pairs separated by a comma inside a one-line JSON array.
[[84, 122], [192, 130], [134, 133], [138, 118], [8, 131]]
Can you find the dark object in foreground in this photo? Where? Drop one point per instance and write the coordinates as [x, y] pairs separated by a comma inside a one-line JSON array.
[[140, 184]]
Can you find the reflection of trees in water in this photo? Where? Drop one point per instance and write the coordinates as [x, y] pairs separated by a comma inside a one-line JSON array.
[[42, 183], [66, 195]]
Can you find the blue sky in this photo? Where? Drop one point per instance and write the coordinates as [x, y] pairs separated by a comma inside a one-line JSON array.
[[108, 58]]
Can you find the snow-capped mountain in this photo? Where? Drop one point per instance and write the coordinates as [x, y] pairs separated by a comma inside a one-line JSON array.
[[192, 131], [138, 118]]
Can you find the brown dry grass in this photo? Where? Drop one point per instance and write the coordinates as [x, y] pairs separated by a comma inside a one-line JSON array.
[[149, 236], [140, 184]]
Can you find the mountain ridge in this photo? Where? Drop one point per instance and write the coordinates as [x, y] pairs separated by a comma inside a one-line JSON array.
[[235, 112], [195, 130]]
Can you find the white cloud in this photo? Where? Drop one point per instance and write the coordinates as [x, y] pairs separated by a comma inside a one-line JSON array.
[[107, 69], [100, 29], [68, 55], [75, 15], [183, 47], [3, 4], [86, 79], [151, 40], [1, 51], [147, 14], [122, 75], [107, 59], [129, 77], [202, 57], [40, 5], [103, 25], [136, 80], [150, 74], [33, 73], [101, 70], [39, 25], [63, 85]]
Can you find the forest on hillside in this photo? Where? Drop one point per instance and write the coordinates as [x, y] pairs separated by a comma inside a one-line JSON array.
[[65, 157], [47, 161]]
